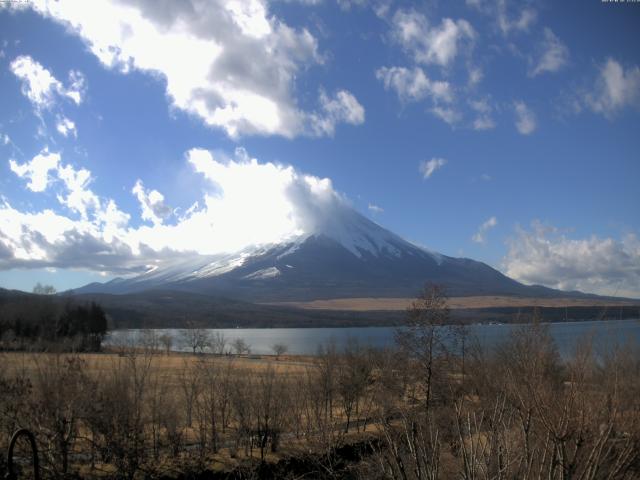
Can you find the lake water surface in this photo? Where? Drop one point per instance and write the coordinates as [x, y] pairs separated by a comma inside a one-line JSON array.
[[303, 341]]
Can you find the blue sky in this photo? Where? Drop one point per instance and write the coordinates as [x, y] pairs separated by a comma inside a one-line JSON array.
[[502, 131]]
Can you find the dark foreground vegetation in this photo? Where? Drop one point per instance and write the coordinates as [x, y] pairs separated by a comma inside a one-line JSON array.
[[45, 322], [436, 407]]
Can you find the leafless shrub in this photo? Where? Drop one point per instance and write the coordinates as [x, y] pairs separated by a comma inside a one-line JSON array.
[[117, 414], [57, 407], [240, 347], [430, 341], [354, 376], [197, 339], [189, 382], [166, 340], [207, 404], [279, 349], [218, 343]]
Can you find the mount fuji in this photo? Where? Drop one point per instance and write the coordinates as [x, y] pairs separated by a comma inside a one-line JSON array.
[[345, 255]]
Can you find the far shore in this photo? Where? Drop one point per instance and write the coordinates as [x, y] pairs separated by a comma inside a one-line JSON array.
[[474, 302]]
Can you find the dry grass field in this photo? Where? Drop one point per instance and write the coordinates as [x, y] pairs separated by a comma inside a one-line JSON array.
[[173, 401], [501, 412], [171, 365], [395, 304]]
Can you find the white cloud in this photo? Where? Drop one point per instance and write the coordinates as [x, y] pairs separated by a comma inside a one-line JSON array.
[[47, 239], [38, 85], [521, 23], [553, 54], [6, 139], [483, 109], [507, 20], [248, 203], [342, 108], [79, 198], [232, 64], [447, 114], [413, 84], [475, 76], [375, 209], [431, 44], [50, 239], [65, 126], [615, 89], [37, 170], [45, 169], [545, 256], [438, 44], [152, 204], [77, 88], [41, 87], [481, 235], [525, 118], [348, 4], [483, 123], [428, 167]]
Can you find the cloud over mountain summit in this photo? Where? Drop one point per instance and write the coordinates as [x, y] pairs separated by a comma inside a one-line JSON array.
[[94, 233]]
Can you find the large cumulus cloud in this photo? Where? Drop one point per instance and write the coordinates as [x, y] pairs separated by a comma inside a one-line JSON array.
[[544, 255], [247, 203], [232, 64]]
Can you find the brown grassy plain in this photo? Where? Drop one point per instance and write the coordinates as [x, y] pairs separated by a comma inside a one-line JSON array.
[[395, 304], [515, 411], [167, 380], [170, 365]]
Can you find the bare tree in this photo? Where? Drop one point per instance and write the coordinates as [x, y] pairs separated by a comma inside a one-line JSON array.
[[218, 343], [354, 373], [224, 393], [117, 414], [327, 363], [271, 406], [279, 349], [41, 289], [240, 346], [241, 401], [57, 408], [166, 340], [149, 340], [209, 375], [189, 386], [156, 408], [197, 339], [428, 336]]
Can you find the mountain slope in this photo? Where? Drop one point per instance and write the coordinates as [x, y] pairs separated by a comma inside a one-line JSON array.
[[346, 255]]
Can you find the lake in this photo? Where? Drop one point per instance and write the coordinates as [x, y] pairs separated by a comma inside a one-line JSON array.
[[304, 341]]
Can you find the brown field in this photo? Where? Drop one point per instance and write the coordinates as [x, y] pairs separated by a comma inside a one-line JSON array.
[[171, 365], [166, 376], [140, 413], [395, 304]]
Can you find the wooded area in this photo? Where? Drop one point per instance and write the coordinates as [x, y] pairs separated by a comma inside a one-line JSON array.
[[46, 322]]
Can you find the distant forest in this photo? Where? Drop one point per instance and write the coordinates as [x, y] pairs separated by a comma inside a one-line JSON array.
[[43, 321], [175, 309], [49, 317]]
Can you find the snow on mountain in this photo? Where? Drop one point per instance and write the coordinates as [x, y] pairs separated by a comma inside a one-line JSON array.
[[264, 273], [339, 255]]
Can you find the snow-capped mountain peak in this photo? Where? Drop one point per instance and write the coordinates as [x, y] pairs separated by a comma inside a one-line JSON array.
[[339, 255]]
